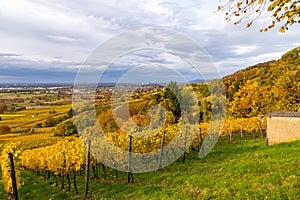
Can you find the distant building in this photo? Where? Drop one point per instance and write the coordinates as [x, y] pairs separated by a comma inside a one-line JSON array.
[[283, 127]]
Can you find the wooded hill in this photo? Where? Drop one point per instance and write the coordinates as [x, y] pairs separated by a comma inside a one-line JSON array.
[[265, 87]]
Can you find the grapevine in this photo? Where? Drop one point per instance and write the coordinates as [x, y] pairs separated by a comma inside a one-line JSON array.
[[13, 148]]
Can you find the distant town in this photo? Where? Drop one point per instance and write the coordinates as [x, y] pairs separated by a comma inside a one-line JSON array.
[[67, 89]]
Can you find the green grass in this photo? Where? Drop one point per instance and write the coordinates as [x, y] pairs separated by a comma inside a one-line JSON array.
[[247, 169]]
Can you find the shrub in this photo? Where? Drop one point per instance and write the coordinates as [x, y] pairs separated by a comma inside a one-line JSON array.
[[65, 129], [4, 129], [3, 108], [49, 122]]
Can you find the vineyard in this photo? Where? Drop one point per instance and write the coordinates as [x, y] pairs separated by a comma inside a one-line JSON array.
[[67, 157], [246, 159]]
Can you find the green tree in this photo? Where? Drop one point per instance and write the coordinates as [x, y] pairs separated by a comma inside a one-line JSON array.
[[189, 105], [66, 128], [205, 109], [172, 96], [71, 113], [157, 98], [285, 13]]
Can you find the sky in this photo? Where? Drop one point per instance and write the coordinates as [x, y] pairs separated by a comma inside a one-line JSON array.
[[51, 41]]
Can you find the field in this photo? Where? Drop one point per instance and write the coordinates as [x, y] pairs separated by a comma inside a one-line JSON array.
[[27, 119], [31, 140], [24, 129], [246, 169]]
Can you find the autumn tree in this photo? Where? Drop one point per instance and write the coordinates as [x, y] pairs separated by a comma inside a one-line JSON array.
[[249, 101], [285, 13], [265, 87], [286, 92], [203, 90], [107, 122]]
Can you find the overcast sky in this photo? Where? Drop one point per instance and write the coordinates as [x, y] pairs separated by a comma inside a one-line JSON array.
[[49, 41]]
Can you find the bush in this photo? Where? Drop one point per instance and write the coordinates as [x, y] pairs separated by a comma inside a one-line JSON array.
[[3, 108], [71, 113], [52, 112], [61, 119], [49, 122], [65, 129], [4, 129]]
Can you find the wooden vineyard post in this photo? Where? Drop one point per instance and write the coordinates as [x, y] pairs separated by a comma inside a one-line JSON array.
[[260, 129], [74, 182], [200, 139], [117, 174], [261, 132], [253, 136], [228, 136], [185, 148], [48, 174], [162, 150], [56, 184], [104, 171], [130, 175], [13, 176], [87, 168], [69, 182], [242, 133], [62, 180], [201, 145]]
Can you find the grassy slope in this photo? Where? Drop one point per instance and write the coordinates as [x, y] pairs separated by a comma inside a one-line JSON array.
[[244, 170]]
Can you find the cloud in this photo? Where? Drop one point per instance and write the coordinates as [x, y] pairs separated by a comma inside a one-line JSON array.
[[60, 35], [8, 55], [244, 49], [25, 75], [61, 38]]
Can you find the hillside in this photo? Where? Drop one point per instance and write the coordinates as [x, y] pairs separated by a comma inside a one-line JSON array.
[[247, 169], [265, 87]]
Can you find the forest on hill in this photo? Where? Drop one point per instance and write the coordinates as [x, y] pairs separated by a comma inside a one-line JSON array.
[[265, 87]]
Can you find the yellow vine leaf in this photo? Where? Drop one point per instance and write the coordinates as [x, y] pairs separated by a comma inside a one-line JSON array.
[[239, 4], [249, 24], [282, 29]]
